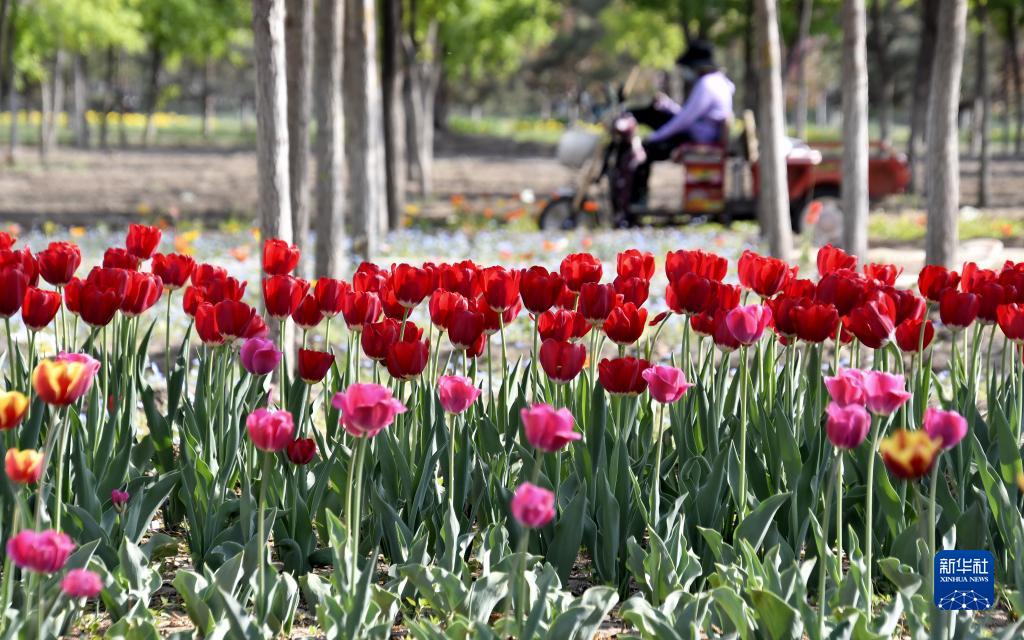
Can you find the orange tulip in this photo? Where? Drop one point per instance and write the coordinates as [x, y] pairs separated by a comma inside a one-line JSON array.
[[909, 454], [61, 382], [23, 466], [13, 405]]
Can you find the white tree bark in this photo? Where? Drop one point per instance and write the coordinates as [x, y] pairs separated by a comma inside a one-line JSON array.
[[854, 186], [271, 120], [329, 147], [298, 57], [364, 150], [943, 170], [802, 46], [774, 196], [984, 103], [81, 101]]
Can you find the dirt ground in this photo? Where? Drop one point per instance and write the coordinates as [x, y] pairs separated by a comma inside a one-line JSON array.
[[80, 187]]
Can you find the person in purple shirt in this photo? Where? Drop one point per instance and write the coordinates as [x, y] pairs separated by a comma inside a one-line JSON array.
[[700, 119]]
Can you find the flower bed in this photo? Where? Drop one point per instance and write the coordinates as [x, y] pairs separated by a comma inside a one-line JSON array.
[[406, 466]]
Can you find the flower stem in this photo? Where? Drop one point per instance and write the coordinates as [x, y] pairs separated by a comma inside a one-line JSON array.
[[822, 569], [656, 493], [869, 512], [261, 534], [742, 506]]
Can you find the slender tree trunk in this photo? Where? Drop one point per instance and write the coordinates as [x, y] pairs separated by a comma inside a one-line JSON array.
[[207, 99], [271, 119], [6, 29], [803, 43], [109, 94], [984, 103], [1016, 79], [922, 91], [298, 33], [364, 151], [81, 102], [882, 19], [9, 78], [943, 153], [854, 186], [156, 62], [53, 106], [329, 149], [774, 197], [750, 65], [12, 133], [394, 116]]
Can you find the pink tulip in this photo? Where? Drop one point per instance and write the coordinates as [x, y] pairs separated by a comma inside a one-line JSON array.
[[259, 356], [119, 498], [847, 426], [270, 430], [40, 551], [948, 426], [666, 384], [548, 429], [533, 506], [746, 324], [457, 393], [367, 408], [847, 387], [92, 367], [81, 583], [884, 392]]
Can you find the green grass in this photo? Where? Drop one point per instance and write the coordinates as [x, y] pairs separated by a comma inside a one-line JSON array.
[[910, 227]]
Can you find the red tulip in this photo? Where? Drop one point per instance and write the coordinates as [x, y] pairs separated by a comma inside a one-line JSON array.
[[119, 258], [174, 269], [24, 260], [908, 334], [872, 323], [223, 289], [39, 308], [461, 278], [6, 240], [410, 284], [844, 289], [799, 288], [237, 320], [500, 287], [763, 275], [1011, 320], [100, 304], [562, 361], [203, 274], [908, 304], [360, 308], [625, 324], [815, 322], [117, 281], [144, 290], [833, 258], [633, 263], [493, 320], [282, 295], [330, 295], [958, 310], [390, 303], [623, 376], [443, 304], [142, 241], [883, 273], [933, 280], [377, 337], [369, 277], [690, 293], [703, 323], [578, 269], [313, 366], [632, 289], [301, 451], [13, 285], [721, 334], [567, 299], [704, 264], [540, 289], [465, 328], [206, 325], [407, 359], [307, 315], [991, 295], [783, 314], [58, 262], [73, 296], [597, 301], [279, 257], [562, 324]]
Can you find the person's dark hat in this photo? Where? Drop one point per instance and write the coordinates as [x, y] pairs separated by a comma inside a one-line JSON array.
[[699, 54]]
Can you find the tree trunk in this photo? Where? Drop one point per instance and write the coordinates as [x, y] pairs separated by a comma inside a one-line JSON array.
[[271, 120], [802, 45], [81, 102], [108, 97], [207, 99], [6, 29], [53, 105], [424, 78], [943, 168], [12, 133], [1015, 74], [984, 103], [329, 148], [364, 151], [922, 91], [750, 78], [298, 34], [882, 19], [156, 61], [854, 185], [394, 116], [774, 196]]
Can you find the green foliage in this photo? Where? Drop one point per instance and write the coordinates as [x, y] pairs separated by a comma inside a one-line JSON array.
[[642, 34]]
